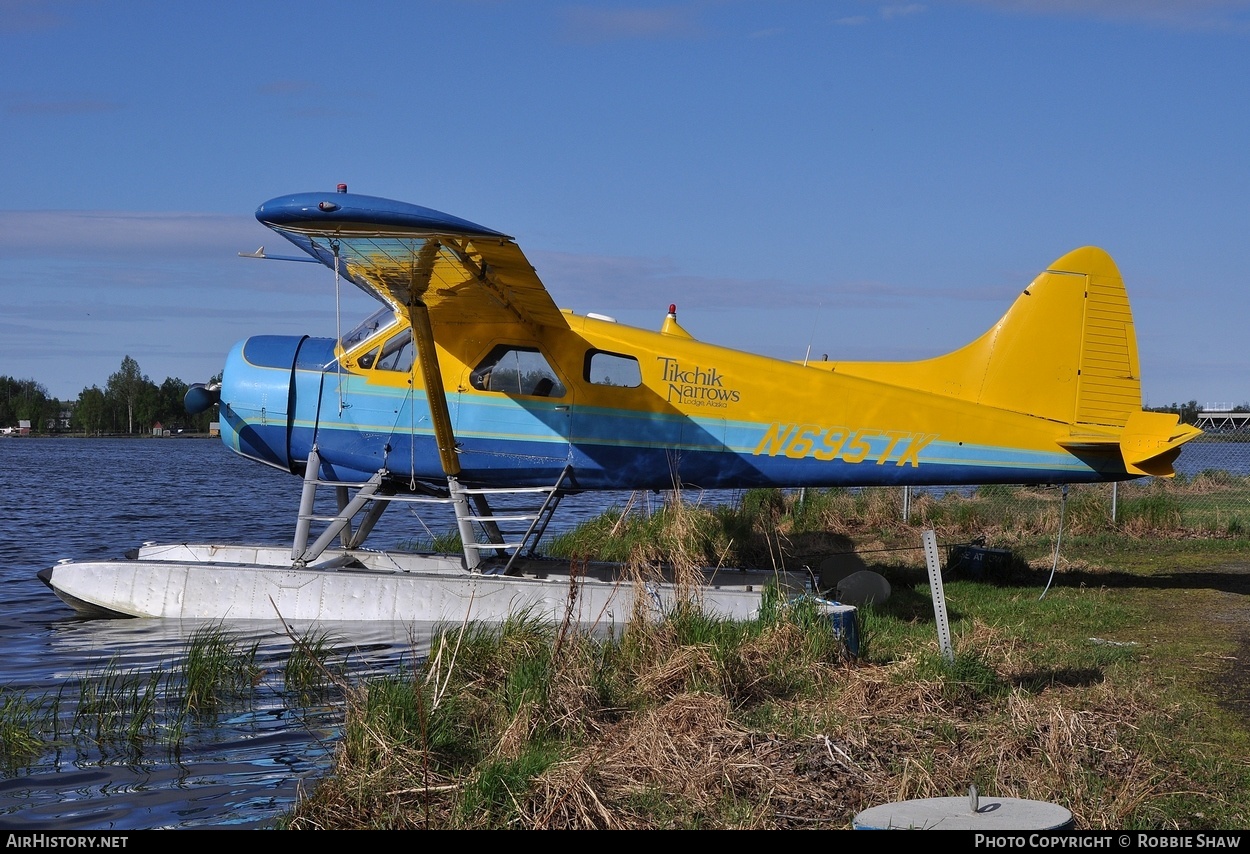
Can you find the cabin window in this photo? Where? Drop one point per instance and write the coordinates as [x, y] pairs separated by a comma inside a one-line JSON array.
[[603, 368], [517, 370], [380, 319], [398, 353]]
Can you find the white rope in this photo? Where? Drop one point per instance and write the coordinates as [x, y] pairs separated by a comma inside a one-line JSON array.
[[1063, 509], [412, 380], [412, 417], [338, 334]]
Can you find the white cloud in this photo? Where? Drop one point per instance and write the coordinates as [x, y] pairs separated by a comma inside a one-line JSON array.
[[1179, 14], [594, 24]]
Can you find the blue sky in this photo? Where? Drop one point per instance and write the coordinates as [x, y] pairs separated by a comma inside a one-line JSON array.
[[864, 179]]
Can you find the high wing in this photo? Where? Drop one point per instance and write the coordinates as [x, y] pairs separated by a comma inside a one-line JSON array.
[[408, 256]]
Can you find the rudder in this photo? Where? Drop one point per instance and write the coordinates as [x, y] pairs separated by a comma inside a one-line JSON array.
[[1067, 349]]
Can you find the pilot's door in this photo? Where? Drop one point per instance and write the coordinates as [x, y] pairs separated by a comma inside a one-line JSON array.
[[514, 418], [385, 402]]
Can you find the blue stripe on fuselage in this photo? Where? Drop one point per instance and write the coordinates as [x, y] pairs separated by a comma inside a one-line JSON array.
[[360, 428]]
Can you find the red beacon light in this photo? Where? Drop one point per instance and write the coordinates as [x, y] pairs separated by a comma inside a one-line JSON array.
[[331, 207], [670, 325]]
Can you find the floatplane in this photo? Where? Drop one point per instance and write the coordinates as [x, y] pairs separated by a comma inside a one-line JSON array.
[[469, 383]]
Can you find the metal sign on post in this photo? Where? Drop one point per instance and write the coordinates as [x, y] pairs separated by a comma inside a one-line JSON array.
[[934, 563]]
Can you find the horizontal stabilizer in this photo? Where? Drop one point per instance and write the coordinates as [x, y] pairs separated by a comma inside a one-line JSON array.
[[1149, 443], [1149, 440]]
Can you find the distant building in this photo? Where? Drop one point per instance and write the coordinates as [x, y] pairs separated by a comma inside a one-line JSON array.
[[1218, 418]]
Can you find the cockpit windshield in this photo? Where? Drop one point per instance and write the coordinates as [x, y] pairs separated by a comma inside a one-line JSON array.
[[380, 319]]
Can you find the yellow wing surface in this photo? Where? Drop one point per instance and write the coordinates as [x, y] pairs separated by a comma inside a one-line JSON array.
[[407, 255]]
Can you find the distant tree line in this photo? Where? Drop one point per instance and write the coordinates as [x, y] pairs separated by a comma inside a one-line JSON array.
[[129, 404]]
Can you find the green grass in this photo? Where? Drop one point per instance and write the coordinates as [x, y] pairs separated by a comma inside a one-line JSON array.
[[308, 672], [115, 704], [132, 711], [23, 724], [217, 669]]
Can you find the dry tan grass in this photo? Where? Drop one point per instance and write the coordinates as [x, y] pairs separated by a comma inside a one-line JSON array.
[[867, 735], [885, 736]]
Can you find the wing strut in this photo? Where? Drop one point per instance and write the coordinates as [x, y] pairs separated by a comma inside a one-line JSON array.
[[423, 335]]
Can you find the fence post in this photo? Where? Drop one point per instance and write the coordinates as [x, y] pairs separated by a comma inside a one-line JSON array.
[[934, 562]]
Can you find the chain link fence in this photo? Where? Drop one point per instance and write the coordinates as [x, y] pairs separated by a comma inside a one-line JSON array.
[[832, 530], [1209, 496]]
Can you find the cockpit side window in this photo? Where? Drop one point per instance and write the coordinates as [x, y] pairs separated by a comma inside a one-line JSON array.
[[398, 353], [380, 319], [604, 368], [517, 370]]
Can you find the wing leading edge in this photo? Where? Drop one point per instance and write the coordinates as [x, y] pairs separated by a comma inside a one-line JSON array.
[[408, 255]]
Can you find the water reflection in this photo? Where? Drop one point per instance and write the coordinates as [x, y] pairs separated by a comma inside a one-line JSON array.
[[241, 766]]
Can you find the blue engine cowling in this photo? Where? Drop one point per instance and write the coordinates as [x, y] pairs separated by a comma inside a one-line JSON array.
[[260, 403]]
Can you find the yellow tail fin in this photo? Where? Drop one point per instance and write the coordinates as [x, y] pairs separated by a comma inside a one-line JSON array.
[[1065, 351]]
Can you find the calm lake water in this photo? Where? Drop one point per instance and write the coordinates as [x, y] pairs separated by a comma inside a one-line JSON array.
[[85, 498], [96, 498]]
